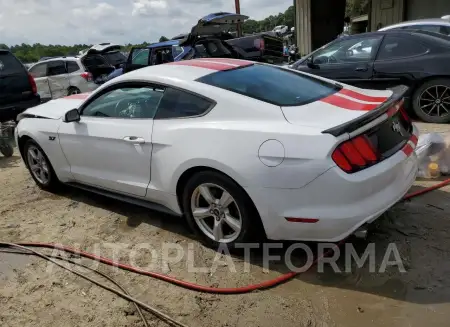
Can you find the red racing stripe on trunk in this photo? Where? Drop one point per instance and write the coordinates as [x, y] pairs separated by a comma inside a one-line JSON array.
[[345, 103], [361, 97]]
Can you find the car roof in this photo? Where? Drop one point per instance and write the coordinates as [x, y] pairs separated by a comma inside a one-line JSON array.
[[185, 70], [429, 21], [164, 44]]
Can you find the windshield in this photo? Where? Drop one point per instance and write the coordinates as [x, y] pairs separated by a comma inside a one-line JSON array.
[[271, 84]]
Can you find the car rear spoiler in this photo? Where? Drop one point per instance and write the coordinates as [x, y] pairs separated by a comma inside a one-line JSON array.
[[352, 125]]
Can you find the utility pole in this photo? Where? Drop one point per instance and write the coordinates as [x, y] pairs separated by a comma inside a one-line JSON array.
[[238, 11]]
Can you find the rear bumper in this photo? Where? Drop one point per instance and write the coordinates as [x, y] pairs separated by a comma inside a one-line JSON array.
[[10, 111], [341, 202]]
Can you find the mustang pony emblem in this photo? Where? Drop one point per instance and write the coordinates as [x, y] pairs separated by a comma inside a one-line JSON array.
[[396, 127]]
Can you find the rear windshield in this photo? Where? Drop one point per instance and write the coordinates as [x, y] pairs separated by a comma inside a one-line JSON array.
[[115, 57], [274, 85], [9, 64]]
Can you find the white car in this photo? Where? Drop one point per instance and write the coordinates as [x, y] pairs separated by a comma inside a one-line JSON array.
[[233, 145], [435, 25], [58, 77]]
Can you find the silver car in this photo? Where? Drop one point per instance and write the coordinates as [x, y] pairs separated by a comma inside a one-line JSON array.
[[58, 77], [436, 25]]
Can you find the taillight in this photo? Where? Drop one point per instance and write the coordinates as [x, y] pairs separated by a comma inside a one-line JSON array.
[[87, 76], [355, 154], [32, 83]]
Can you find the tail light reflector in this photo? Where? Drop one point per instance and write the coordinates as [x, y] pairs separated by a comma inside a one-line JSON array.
[[32, 83], [87, 76]]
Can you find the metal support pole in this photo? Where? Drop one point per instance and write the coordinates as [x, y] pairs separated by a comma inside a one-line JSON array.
[[238, 11]]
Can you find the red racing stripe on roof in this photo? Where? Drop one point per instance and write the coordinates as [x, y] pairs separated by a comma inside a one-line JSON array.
[[345, 103], [80, 96], [218, 64], [238, 62], [361, 97]]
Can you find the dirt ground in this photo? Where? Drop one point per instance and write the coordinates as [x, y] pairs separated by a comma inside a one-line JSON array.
[[34, 293]]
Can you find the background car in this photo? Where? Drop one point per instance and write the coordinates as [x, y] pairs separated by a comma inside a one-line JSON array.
[[242, 149], [381, 60], [436, 25], [18, 90], [58, 77]]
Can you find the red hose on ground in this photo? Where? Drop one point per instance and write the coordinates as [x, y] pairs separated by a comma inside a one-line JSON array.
[[206, 289]]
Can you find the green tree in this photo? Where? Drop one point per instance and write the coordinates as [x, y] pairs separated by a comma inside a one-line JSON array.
[[163, 38]]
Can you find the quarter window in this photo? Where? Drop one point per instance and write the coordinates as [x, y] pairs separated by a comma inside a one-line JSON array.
[[127, 102], [394, 47], [72, 66], [180, 104]]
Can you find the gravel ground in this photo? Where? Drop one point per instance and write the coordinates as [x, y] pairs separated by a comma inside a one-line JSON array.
[[35, 293]]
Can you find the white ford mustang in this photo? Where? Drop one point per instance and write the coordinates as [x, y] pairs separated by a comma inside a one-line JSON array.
[[239, 148]]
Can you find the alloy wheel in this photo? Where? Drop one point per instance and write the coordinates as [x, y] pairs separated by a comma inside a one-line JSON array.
[[216, 213], [435, 101], [38, 165]]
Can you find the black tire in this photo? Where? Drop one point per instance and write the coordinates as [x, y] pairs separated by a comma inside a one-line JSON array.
[[251, 226], [7, 150], [73, 90], [52, 184], [421, 98]]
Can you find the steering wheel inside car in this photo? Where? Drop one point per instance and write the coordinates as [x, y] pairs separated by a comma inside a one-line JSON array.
[[332, 60]]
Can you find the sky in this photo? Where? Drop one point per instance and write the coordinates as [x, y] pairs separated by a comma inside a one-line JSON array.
[[121, 21]]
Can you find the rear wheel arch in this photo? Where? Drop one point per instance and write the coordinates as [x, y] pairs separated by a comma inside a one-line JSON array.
[[187, 175]]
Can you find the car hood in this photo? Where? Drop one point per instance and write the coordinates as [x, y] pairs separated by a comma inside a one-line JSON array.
[[56, 109], [211, 25], [341, 107]]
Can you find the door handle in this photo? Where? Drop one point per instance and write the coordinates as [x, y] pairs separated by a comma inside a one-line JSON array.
[[361, 69], [134, 139]]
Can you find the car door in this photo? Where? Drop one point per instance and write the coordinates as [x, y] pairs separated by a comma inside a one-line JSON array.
[[110, 147], [138, 58], [348, 60], [58, 78], [39, 73], [397, 61]]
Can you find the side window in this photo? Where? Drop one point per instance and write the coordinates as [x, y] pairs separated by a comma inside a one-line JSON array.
[[140, 57], [394, 47], [56, 68], [72, 66], [176, 50], [127, 102], [161, 56], [180, 104], [347, 51], [39, 70]]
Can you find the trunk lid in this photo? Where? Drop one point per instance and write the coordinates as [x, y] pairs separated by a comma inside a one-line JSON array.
[[56, 109], [14, 81], [346, 105]]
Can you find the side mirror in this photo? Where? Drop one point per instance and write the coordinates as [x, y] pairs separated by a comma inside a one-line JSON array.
[[310, 62], [72, 116]]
